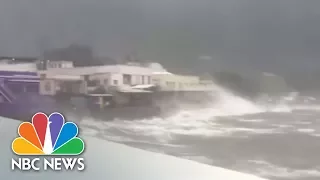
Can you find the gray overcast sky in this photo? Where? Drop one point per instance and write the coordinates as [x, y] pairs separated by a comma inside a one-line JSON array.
[[269, 34]]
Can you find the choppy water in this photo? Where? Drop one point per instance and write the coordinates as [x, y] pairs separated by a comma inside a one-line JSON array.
[[280, 141]]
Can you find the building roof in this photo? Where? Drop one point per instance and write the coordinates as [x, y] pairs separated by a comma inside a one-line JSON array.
[[24, 80], [19, 59], [162, 72], [126, 89], [26, 67], [65, 77], [100, 95], [143, 86], [101, 69]]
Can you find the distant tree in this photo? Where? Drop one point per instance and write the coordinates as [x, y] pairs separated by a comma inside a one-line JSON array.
[[80, 55], [304, 81], [236, 83]]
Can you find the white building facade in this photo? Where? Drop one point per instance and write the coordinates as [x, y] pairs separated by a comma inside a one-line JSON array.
[[59, 64], [174, 82], [85, 79], [94, 76]]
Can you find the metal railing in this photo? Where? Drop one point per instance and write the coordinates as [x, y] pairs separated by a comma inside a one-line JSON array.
[[6, 92]]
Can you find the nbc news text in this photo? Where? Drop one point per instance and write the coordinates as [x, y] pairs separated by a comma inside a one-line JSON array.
[[43, 164]]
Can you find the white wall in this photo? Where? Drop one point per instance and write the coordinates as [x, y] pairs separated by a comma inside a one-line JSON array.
[[134, 70], [141, 79], [135, 79], [47, 87], [113, 74], [139, 75], [59, 64], [52, 86], [103, 78], [173, 82], [19, 67], [116, 72], [116, 79]]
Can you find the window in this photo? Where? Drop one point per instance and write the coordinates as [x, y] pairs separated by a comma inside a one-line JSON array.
[[156, 81], [142, 78], [106, 81], [138, 80], [170, 84], [127, 79], [115, 82], [25, 88], [47, 86], [93, 83], [149, 80], [42, 76]]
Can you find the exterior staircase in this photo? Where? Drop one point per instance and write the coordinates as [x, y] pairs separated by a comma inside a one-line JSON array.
[[5, 92]]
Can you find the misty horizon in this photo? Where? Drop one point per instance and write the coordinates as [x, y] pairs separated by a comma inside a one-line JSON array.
[[275, 36]]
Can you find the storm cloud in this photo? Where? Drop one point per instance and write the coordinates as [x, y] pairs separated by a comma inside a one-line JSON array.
[[273, 35]]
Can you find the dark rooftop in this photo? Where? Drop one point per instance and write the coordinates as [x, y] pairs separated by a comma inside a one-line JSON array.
[[19, 59]]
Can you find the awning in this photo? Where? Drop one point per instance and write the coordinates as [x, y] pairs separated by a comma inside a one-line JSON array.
[[24, 80], [162, 73], [131, 90], [65, 77], [143, 86], [100, 95]]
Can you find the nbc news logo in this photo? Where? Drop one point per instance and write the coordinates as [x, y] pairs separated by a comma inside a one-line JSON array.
[[48, 136]]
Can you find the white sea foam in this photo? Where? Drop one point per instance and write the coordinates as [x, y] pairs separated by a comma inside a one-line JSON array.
[[266, 169], [251, 120], [302, 122], [308, 131], [283, 126], [203, 122], [165, 130]]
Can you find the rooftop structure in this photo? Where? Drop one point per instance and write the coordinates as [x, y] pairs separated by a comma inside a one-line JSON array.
[[18, 64], [101, 69], [29, 67], [17, 59]]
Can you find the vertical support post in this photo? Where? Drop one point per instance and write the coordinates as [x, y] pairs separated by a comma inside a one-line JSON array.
[[101, 102]]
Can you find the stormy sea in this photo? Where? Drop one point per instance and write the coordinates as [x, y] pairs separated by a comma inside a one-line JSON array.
[[272, 137]]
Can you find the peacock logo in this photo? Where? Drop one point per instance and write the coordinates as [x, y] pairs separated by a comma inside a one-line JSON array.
[[48, 136]]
